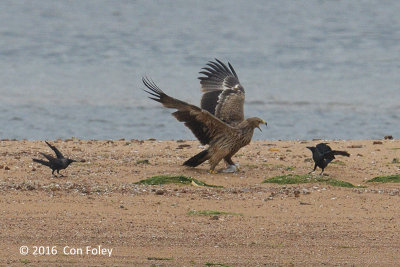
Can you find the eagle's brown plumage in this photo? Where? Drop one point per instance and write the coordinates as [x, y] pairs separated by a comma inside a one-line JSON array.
[[223, 95], [223, 139]]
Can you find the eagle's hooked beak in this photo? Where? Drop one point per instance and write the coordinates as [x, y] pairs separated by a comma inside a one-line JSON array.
[[263, 122]]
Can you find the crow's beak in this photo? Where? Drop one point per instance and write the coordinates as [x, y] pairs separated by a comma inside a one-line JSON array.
[[309, 147]]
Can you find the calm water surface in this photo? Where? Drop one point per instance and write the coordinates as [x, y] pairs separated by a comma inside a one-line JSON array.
[[312, 69]]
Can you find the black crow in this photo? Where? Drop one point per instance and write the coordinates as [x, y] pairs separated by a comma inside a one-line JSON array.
[[55, 164], [323, 154]]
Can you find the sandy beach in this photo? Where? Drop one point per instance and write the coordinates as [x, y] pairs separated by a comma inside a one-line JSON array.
[[252, 223]]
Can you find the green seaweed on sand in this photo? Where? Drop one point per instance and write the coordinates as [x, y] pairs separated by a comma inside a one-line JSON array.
[[212, 213], [166, 179], [385, 179], [302, 179]]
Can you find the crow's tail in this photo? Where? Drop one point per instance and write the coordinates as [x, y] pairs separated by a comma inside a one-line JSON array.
[[197, 159], [342, 153], [46, 163]]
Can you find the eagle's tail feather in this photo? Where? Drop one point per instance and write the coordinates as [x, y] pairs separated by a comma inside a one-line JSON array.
[[197, 159]]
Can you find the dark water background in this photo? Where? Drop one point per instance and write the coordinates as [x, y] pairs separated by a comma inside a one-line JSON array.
[[312, 69]]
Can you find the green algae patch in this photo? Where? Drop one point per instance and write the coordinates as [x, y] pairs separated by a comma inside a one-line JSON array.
[[166, 179], [303, 179], [385, 179], [212, 213]]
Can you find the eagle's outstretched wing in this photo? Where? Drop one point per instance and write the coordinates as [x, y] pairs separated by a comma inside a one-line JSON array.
[[205, 126], [223, 95]]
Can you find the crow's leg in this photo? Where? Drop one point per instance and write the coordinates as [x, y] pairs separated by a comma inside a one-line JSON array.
[[58, 171], [53, 173], [315, 167]]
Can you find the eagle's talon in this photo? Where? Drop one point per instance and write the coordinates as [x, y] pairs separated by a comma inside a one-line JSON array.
[[231, 169], [238, 167]]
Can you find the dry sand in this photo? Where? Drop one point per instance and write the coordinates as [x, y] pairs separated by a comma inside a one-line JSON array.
[[98, 204]]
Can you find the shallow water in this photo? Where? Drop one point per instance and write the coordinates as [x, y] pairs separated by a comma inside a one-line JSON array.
[[320, 69]]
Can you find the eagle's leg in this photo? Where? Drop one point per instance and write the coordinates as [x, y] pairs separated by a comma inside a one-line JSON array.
[[214, 160], [230, 165]]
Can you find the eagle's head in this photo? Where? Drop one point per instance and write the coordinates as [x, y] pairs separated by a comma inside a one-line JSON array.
[[255, 122]]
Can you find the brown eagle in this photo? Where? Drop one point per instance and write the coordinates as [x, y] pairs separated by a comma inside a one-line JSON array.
[[223, 96], [223, 139]]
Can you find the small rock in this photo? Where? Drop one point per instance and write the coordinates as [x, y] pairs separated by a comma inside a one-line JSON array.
[[306, 191], [395, 160], [183, 145], [160, 192], [7, 168], [143, 161], [355, 146], [388, 137], [215, 217], [33, 169], [377, 143]]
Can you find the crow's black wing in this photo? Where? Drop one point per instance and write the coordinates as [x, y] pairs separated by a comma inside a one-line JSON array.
[[58, 153], [49, 157], [326, 151]]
